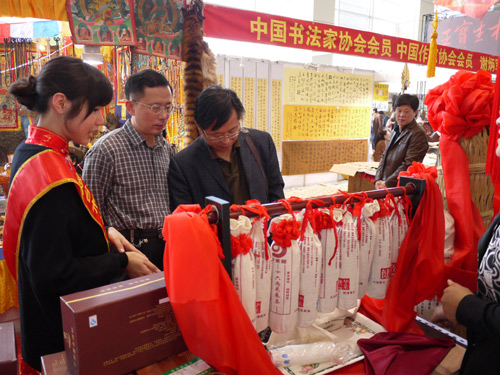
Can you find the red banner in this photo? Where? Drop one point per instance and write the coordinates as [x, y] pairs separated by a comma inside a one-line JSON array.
[[247, 26]]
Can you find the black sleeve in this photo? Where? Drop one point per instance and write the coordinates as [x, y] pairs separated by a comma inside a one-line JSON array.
[[178, 186], [480, 315], [63, 248]]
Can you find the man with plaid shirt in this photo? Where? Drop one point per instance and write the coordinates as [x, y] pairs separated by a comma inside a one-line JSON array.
[[127, 169]]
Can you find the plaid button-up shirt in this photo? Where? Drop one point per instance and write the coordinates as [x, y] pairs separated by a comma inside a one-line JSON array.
[[128, 179]]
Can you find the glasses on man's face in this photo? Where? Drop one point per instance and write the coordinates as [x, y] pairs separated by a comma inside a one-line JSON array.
[[221, 138], [156, 108]]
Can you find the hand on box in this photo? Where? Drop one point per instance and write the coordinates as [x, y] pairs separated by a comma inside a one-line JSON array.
[[139, 265]]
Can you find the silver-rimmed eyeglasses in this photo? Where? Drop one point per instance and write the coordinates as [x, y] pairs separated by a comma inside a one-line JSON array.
[[221, 138], [156, 108]]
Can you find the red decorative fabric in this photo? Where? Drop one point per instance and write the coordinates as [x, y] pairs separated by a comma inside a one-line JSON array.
[[392, 353], [240, 245], [210, 315], [420, 266], [492, 161], [461, 107]]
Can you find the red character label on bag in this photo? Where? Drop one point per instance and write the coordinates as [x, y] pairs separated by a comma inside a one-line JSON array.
[[301, 300], [344, 284], [385, 273], [258, 306]]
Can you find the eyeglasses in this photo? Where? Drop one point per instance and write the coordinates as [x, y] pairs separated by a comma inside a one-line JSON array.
[[156, 108], [221, 138]]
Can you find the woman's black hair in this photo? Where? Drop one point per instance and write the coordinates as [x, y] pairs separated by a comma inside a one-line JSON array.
[[80, 82]]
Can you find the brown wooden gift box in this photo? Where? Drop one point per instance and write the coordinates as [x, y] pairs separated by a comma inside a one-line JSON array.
[[8, 349], [121, 327]]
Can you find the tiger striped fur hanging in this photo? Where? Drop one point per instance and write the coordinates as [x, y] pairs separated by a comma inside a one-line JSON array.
[[199, 71]]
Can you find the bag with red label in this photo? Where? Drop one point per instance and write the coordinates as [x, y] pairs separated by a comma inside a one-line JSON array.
[[368, 239], [243, 265], [349, 262], [285, 280], [327, 227], [263, 272], [381, 264], [310, 269]]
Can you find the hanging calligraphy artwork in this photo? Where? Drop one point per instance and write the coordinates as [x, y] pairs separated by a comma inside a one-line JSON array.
[[159, 28], [102, 22]]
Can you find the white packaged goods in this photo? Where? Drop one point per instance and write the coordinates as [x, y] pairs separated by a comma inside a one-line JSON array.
[[263, 271], [366, 244], [349, 263], [310, 272], [399, 227], [381, 263], [243, 265], [328, 289], [285, 279], [316, 352]]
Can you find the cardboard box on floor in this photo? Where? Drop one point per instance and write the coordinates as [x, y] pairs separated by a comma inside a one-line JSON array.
[[8, 349], [121, 327]]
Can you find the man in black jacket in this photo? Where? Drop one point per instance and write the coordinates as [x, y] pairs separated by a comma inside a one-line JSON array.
[[226, 160]]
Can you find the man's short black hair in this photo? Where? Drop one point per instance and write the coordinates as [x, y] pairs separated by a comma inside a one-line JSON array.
[[215, 105], [137, 83], [407, 99]]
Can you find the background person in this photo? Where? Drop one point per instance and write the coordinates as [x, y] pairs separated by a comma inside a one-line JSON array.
[[221, 162], [381, 143], [408, 143], [127, 169], [63, 246]]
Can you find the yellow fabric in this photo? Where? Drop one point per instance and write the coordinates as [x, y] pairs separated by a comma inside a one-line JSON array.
[[48, 9], [8, 289], [431, 62], [108, 53]]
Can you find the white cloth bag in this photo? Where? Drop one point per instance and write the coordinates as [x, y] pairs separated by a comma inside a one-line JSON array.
[[381, 264], [263, 272], [328, 289], [243, 268], [310, 274], [349, 263], [285, 283], [366, 244]]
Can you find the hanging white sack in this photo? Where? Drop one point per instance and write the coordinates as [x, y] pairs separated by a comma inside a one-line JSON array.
[[328, 288], [399, 227], [381, 264], [243, 265], [285, 280], [349, 263], [366, 244], [263, 271], [310, 271]]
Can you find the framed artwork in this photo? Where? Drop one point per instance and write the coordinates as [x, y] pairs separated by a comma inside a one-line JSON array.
[[159, 28], [102, 22]]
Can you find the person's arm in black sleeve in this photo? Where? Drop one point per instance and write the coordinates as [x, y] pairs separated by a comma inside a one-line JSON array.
[[54, 226], [482, 316], [178, 186]]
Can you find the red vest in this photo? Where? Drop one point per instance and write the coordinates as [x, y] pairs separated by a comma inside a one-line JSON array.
[[37, 176]]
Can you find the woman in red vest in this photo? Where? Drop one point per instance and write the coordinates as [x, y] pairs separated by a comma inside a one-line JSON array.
[[55, 242]]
